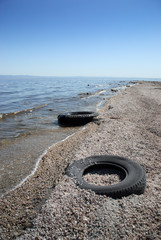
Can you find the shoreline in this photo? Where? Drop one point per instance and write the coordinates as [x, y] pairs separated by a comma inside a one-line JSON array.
[[20, 152], [36, 165], [19, 207]]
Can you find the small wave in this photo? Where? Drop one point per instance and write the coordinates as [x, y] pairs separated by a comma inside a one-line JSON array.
[[102, 91], [99, 105], [5, 115], [8, 92], [102, 85], [90, 94]]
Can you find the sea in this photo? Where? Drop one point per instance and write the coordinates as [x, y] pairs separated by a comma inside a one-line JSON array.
[[29, 107]]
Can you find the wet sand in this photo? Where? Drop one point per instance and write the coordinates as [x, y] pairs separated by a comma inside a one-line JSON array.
[[49, 205], [19, 156]]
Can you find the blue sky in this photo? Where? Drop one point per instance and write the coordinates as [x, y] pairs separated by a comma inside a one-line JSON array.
[[119, 38]]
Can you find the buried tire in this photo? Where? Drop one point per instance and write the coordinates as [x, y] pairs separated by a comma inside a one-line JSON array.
[[76, 118], [132, 175]]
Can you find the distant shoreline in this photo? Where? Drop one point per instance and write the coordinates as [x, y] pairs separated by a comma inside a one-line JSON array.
[[107, 77]]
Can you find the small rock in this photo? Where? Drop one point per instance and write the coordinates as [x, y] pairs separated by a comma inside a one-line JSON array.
[[110, 107], [16, 234], [114, 90]]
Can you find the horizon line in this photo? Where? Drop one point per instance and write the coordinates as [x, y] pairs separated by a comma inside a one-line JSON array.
[[28, 75]]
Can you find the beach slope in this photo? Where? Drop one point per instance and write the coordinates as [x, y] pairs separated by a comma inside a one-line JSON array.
[[48, 205]]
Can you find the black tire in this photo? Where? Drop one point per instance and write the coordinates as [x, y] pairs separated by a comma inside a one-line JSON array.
[[133, 176], [76, 118]]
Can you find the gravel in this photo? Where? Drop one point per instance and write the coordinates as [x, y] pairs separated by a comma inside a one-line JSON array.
[[102, 176], [128, 126]]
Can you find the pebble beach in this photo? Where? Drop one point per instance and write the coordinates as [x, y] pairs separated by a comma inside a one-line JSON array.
[[48, 205]]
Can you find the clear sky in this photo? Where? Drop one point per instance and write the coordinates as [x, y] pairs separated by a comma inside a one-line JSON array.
[[119, 38]]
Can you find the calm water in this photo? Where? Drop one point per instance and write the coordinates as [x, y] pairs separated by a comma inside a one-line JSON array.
[[29, 107], [29, 104]]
